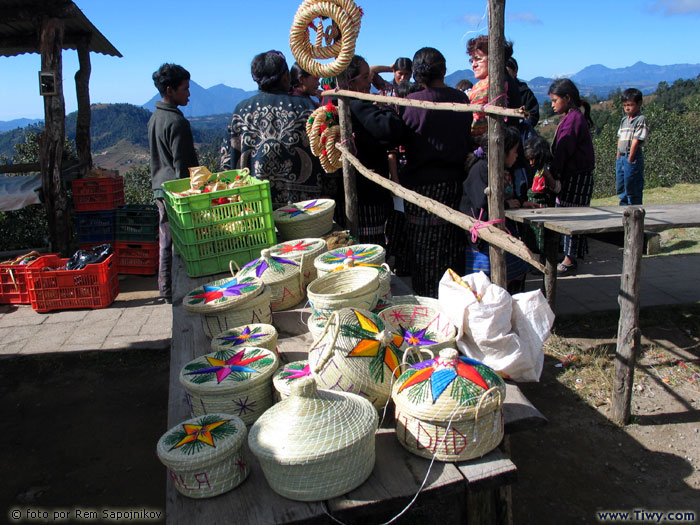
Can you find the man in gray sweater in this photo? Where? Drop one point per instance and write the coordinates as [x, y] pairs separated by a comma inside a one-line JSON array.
[[172, 153]]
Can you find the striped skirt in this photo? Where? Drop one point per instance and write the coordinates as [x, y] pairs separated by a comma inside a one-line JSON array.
[[576, 191]]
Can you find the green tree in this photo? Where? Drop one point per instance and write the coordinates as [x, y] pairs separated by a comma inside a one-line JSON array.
[[137, 186]]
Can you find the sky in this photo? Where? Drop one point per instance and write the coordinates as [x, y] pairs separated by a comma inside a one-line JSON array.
[[216, 40]]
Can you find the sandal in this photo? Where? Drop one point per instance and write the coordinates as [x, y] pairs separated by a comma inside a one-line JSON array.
[[565, 269]]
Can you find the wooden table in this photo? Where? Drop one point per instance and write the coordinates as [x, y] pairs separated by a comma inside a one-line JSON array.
[[476, 491]]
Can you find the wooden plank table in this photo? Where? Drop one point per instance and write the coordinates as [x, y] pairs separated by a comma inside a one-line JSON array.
[[474, 491]]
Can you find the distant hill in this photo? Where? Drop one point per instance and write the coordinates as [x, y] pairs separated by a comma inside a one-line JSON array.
[[17, 123], [212, 101]]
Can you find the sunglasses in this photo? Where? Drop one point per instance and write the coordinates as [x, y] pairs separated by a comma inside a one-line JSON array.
[[473, 60]]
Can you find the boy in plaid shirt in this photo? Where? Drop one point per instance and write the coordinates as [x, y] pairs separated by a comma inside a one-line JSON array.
[[629, 168]]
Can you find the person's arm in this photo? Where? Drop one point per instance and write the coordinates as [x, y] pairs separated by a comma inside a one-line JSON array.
[[565, 144], [530, 102], [382, 123], [633, 150], [393, 161], [377, 81], [182, 144]]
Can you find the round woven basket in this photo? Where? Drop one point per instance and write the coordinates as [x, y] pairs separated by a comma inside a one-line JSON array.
[[359, 253], [384, 279], [281, 274], [235, 382], [421, 326], [255, 310], [261, 335], [203, 455], [354, 287], [450, 408], [315, 444], [357, 353], [288, 375], [415, 299], [316, 324], [304, 219], [309, 248]]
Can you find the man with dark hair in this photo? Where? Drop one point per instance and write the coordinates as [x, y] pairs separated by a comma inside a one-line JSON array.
[[172, 153], [526, 95]]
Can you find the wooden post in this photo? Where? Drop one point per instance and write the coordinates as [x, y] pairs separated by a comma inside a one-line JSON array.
[[82, 90], [628, 332], [349, 176], [497, 97], [551, 249], [53, 138]]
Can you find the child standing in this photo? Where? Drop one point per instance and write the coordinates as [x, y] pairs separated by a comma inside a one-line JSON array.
[[629, 167]]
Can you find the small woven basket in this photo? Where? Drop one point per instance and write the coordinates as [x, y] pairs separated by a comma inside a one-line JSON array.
[[421, 326], [203, 455], [315, 444], [281, 274], [260, 335], [235, 382], [316, 324], [357, 353], [384, 279], [304, 219], [359, 253], [288, 375], [450, 408], [309, 248], [354, 287]]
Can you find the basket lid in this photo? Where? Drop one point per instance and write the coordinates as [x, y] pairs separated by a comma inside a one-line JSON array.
[[310, 248], [421, 326], [201, 441], [292, 373], [311, 425], [358, 253], [444, 384], [222, 294], [271, 268], [227, 371], [304, 211], [248, 335]]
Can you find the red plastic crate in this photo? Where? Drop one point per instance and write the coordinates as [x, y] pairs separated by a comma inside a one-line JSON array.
[[95, 286], [98, 193], [13, 284], [137, 257]]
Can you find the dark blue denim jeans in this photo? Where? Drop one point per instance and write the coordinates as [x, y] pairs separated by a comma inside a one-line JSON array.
[[629, 177]]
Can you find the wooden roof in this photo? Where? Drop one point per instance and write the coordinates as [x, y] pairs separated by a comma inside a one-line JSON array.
[[20, 22]]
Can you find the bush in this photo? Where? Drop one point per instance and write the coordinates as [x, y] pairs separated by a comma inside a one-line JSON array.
[[137, 186]]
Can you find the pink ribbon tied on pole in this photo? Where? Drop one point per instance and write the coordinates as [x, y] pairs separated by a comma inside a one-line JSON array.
[[479, 224]]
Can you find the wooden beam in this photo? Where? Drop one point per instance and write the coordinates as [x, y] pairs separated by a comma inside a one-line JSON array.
[[20, 168], [349, 177], [82, 91], [46, 8]]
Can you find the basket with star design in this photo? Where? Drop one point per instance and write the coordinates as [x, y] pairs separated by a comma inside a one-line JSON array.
[[352, 287], [316, 444], [282, 274], [316, 324], [236, 381], [358, 253], [304, 219], [449, 407], [287, 375], [309, 248], [261, 335], [203, 455], [421, 326], [228, 303], [358, 353]]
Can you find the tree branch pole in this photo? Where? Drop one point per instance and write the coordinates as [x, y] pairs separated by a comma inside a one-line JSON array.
[[628, 332], [490, 234], [349, 177], [496, 155], [82, 91]]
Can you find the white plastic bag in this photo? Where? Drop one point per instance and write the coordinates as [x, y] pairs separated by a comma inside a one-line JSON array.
[[503, 332]]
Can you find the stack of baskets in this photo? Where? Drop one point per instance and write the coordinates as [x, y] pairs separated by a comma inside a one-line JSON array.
[[261, 335], [358, 253], [95, 200], [136, 239], [305, 219], [281, 274]]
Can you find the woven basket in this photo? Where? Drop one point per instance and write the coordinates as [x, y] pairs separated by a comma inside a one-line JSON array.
[[450, 408], [309, 248], [288, 375], [417, 300], [359, 253], [315, 445], [316, 324], [281, 274], [260, 335], [354, 287], [384, 278], [357, 353], [304, 219], [235, 382], [421, 326], [203, 455], [253, 311]]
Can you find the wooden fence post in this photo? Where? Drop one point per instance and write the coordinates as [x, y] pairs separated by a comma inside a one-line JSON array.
[[82, 91], [628, 332], [349, 176]]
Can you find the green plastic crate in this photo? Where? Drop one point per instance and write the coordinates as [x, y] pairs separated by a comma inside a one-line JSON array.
[[136, 223]]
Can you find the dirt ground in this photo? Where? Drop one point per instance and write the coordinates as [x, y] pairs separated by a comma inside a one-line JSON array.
[[81, 429]]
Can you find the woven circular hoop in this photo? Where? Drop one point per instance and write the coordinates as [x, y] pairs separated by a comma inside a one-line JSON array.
[[312, 218], [235, 382], [260, 335], [359, 253], [253, 311], [310, 248], [421, 326], [315, 444], [357, 353], [288, 375], [346, 17], [203, 455], [323, 131], [353, 287], [281, 274], [450, 408]]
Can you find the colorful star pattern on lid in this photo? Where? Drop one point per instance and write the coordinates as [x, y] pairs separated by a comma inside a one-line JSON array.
[[300, 246], [231, 288], [295, 371], [263, 263], [244, 336], [222, 368], [416, 337], [200, 433], [311, 206], [362, 253]]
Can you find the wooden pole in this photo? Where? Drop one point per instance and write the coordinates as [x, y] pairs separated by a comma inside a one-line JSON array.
[[51, 141], [82, 90], [628, 332], [349, 177], [496, 94]]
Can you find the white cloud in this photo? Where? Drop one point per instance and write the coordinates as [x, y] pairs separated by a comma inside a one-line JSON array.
[[527, 18], [676, 7]]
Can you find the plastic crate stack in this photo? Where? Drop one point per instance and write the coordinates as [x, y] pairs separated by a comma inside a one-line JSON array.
[[95, 200], [210, 230], [136, 239]]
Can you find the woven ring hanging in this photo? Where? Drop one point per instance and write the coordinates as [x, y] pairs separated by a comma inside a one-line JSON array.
[[346, 18], [323, 131]]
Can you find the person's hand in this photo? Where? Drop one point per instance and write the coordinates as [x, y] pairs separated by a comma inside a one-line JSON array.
[[513, 204], [531, 205]]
